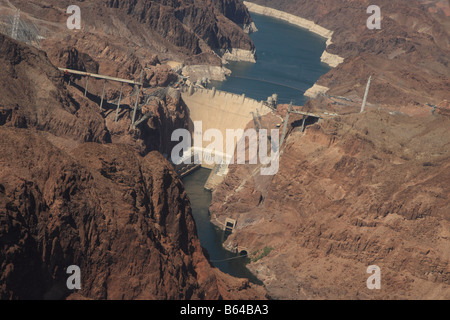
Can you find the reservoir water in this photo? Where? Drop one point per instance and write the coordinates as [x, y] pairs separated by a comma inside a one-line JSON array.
[[288, 64]]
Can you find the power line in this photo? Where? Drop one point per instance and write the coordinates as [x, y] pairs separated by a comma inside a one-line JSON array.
[[267, 81], [241, 256]]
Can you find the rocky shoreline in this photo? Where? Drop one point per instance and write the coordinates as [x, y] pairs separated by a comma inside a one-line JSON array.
[[235, 54], [315, 90], [330, 59]]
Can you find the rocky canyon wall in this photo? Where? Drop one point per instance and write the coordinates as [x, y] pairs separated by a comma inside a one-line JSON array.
[[408, 57], [351, 192], [73, 193], [356, 190]]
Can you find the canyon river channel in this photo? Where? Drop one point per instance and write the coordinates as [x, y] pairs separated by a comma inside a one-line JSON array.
[[212, 237], [288, 64]]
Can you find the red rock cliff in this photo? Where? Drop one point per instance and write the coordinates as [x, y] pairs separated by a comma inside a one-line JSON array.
[[68, 196]]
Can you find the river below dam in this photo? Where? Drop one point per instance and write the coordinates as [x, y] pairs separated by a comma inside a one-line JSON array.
[[211, 237], [288, 64]]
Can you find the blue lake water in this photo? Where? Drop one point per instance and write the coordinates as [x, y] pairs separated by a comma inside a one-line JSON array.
[[288, 63]]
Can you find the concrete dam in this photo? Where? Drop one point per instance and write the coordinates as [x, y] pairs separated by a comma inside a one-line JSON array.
[[222, 111]]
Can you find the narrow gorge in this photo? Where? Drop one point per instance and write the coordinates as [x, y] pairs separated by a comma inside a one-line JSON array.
[[135, 148]]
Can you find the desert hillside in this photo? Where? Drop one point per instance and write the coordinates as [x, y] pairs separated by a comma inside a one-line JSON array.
[[82, 184], [356, 190], [409, 57], [79, 188]]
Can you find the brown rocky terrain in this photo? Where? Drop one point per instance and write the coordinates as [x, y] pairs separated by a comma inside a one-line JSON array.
[[357, 189], [123, 219], [62, 110], [352, 191], [125, 38], [76, 190], [76, 187], [34, 96], [185, 31], [409, 57]]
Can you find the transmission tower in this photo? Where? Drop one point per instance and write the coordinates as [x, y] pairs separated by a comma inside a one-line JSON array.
[[15, 25], [363, 106]]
